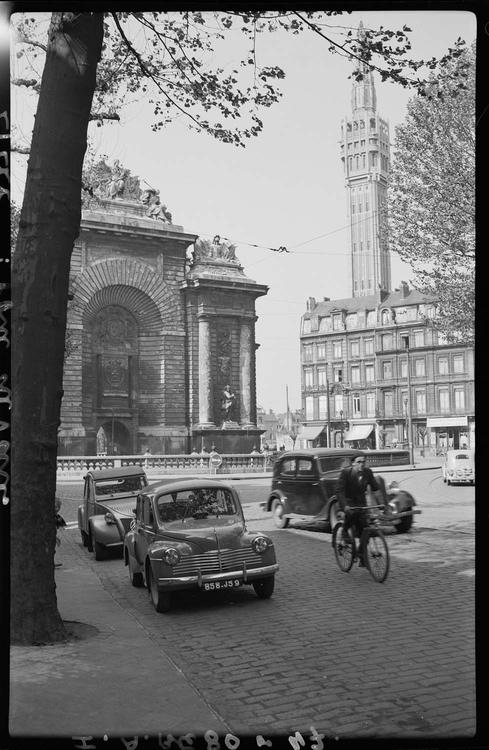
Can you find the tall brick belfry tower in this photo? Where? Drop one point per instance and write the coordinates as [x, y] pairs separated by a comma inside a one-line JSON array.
[[365, 153]]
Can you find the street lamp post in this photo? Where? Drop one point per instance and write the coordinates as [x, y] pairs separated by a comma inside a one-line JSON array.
[[409, 402], [328, 414], [112, 410], [341, 426]]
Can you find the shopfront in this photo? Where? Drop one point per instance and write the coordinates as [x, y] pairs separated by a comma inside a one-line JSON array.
[[446, 433]]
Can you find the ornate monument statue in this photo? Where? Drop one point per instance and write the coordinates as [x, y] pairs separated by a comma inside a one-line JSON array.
[[154, 208], [101, 442], [216, 249], [228, 399], [116, 184]]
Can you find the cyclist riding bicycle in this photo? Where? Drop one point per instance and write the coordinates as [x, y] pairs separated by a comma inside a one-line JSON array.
[[351, 491]]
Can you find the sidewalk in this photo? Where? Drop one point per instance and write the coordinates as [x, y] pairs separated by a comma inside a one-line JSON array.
[[114, 681]]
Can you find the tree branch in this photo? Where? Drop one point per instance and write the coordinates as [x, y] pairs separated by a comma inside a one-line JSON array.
[[104, 116]]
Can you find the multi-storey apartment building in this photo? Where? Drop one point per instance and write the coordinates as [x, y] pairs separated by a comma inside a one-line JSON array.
[[358, 374], [373, 364]]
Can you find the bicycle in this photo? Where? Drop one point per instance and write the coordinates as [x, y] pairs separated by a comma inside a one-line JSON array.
[[376, 551]]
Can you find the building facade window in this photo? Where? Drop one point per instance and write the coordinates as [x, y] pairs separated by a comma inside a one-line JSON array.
[[388, 403], [385, 317], [419, 367], [444, 400], [355, 374], [321, 350], [307, 353], [337, 323], [369, 373], [325, 323], [387, 342], [308, 377], [351, 320], [338, 404], [421, 402], [387, 370], [356, 405], [323, 407], [371, 318], [418, 339], [309, 408], [369, 346], [443, 365], [322, 377], [355, 348], [404, 368], [337, 374], [459, 394], [458, 363], [370, 400], [337, 350], [306, 326]]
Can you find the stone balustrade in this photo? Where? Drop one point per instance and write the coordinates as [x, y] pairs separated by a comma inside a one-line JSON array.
[[74, 467]]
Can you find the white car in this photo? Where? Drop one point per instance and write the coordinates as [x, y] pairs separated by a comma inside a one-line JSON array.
[[459, 467]]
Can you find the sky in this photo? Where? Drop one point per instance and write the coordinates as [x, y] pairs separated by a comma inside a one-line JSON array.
[[286, 188]]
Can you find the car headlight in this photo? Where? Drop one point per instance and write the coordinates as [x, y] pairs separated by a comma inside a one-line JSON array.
[[171, 556], [260, 544], [109, 518]]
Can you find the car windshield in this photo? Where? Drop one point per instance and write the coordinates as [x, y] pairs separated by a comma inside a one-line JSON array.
[[333, 463], [120, 484], [210, 503]]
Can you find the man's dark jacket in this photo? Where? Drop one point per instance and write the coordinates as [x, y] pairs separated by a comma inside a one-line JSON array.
[[351, 486]]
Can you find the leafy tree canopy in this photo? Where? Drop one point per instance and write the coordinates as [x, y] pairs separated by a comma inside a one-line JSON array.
[[432, 194], [168, 58]]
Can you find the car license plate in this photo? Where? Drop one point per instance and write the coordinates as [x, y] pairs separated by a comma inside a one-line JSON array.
[[217, 585]]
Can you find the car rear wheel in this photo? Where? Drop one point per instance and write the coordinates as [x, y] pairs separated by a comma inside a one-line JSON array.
[[279, 519], [135, 576], [264, 587], [335, 515], [100, 550], [161, 600], [404, 525]]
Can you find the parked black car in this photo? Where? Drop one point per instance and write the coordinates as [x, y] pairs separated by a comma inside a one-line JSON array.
[[304, 484]]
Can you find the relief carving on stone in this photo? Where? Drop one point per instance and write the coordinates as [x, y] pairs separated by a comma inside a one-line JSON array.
[[115, 374], [216, 249]]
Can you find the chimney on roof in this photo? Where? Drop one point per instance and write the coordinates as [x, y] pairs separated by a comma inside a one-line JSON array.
[[404, 289], [310, 304]]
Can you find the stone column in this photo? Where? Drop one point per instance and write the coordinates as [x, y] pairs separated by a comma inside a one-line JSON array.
[[245, 371], [205, 387]]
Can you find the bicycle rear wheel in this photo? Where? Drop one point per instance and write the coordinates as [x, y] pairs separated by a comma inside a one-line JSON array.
[[344, 547], [376, 555]]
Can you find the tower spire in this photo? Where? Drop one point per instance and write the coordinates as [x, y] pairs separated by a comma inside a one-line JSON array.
[[363, 94]]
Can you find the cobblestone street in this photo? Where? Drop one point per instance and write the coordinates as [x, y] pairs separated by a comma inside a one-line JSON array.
[[338, 652]]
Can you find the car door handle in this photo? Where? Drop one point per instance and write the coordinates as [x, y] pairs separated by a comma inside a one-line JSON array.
[[314, 484]]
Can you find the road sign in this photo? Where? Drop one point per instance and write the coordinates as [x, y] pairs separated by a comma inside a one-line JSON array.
[[215, 460]]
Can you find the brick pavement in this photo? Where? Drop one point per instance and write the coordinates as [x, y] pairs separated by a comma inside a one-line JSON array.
[[338, 652]]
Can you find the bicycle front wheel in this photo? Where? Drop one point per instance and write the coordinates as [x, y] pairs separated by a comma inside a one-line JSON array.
[[344, 547], [376, 555]]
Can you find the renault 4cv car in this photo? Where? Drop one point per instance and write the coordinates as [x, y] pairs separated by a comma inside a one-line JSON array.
[[304, 484], [192, 535], [109, 498], [459, 467]]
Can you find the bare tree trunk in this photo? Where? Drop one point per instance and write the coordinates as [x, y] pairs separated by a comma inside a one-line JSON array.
[[49, 225]]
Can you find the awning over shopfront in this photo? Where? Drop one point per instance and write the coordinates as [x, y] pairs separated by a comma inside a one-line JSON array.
[[446, 422], [310, 432], [359, 432]]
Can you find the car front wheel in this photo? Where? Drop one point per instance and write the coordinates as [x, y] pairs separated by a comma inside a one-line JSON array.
[[404, 525], [161, 600], [279, 519], [264, 587]]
